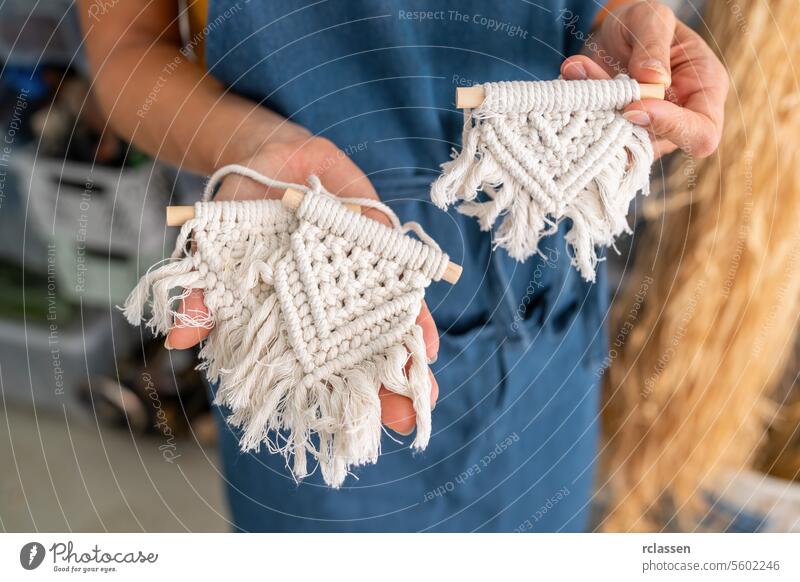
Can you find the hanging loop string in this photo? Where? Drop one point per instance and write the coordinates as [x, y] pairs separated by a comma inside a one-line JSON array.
[[314, 186]]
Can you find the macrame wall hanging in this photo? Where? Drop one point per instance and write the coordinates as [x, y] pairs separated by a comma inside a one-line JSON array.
[[313, 308], [543, 151]]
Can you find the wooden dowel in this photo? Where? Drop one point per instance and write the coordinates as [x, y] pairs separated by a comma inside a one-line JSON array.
[[178, 215], [472, 97]]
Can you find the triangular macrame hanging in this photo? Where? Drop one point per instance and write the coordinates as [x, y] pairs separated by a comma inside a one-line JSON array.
[[543, 151], [313, 310]]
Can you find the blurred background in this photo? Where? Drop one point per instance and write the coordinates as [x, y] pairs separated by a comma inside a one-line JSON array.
[[101, 429]]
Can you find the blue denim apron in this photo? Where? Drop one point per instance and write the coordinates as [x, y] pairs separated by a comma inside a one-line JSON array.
[[515, 429]]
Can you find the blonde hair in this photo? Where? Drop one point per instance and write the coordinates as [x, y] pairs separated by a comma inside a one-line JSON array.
[[704, 331]]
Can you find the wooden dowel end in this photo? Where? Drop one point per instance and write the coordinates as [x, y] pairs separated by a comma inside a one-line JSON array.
[[469, 97], [452, 273], [177, 215], [651, 91], [292, 198]]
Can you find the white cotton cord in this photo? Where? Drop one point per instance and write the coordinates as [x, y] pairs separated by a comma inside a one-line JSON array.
[[153, 282], [545, 151], [417, 229], [217, 177], [514, 97], [315, 185], [312, 310]]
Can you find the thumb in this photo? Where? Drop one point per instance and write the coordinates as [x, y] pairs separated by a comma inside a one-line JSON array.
[[183, 336], [649, 30]]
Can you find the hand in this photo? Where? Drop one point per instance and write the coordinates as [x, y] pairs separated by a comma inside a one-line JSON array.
[[645, 40], [293, 160]]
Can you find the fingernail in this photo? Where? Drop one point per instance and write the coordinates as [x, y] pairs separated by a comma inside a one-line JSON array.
[[434, 358], [404, 433], [166, 344], [577, 70], [637, 117], [657, 66]]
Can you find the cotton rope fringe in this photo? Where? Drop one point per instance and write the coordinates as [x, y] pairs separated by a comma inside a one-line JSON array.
[[312, 311], [543, 151]]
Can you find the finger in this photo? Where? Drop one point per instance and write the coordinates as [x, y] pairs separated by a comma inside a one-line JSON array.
[[581, 67], [270, 163], [662, 147], [344, 178], [336, 170], [649, 29], [376, 214], [397, 412], [181, 336], [429, 332], [434, 389], [695, 133]]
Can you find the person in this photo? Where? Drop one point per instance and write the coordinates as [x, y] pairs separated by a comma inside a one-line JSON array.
[[361, 95]]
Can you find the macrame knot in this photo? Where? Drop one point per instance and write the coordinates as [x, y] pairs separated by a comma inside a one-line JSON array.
[[312, 312], [391, 244], [557, 96], [545, 151]]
